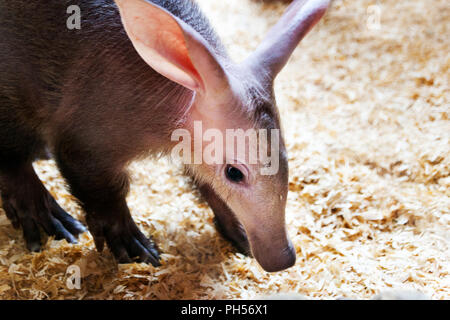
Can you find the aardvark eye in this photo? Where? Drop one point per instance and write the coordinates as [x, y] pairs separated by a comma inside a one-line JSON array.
[[233, 174]]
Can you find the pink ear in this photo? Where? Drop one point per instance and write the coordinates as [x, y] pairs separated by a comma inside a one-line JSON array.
[[169, 45], [275, 50]]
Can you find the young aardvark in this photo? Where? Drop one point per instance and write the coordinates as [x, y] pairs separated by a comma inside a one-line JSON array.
[[116, 89]]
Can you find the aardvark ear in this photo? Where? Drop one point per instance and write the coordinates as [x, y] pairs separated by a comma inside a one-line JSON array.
[[275, 50], [171, 47]]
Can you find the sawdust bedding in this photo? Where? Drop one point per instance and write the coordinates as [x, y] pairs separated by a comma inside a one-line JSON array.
[[365, 112]]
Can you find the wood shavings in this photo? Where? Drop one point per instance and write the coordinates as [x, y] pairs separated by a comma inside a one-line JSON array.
[[366, 121]]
